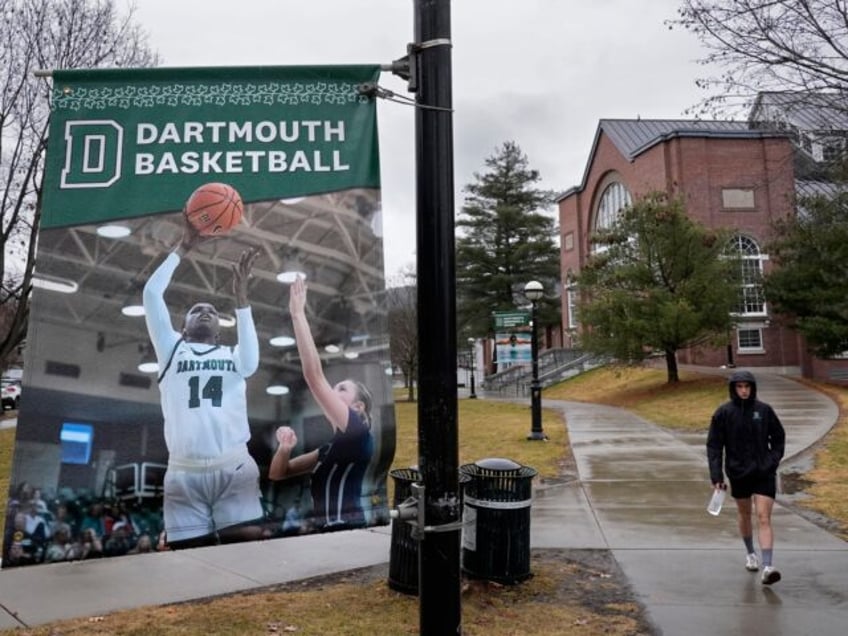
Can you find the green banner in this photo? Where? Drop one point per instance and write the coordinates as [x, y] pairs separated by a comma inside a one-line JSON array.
[[136, 142], [505, 320]]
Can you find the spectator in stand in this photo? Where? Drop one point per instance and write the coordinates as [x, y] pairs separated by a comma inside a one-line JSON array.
[[143, 545], [62, 521], [60, 547], [17, 556], [91, 546], [120, 541], [95, 519], [32, 544]]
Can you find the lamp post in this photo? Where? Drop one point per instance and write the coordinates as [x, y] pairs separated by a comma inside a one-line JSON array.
[[533, 291], [472, 395]]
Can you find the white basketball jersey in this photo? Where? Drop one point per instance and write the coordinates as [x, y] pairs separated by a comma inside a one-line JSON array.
[[203, 401]]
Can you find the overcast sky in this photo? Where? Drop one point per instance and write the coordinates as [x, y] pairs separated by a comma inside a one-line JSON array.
[[538, 72]]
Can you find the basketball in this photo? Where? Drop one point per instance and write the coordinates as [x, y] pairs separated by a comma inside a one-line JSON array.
[[214, 209]]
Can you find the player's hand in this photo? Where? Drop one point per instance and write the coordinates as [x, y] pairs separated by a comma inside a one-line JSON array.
[[286, 437], [190, 239], [241, 272], [297, 296]]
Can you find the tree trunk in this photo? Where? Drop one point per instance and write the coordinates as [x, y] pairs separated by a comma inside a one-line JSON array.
[[671, 366], [410, 384]]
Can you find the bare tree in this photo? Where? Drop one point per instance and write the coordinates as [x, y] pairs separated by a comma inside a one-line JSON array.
[[768, 45], [44, 34], [402, 305]]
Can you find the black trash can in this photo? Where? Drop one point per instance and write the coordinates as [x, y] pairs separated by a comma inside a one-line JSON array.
[[496, 520], [403, 555]]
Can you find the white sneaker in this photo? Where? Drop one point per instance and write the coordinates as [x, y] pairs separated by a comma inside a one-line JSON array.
[[770, 575], [752, 563]]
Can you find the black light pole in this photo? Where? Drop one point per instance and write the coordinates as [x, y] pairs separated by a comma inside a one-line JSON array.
[[439, 575], [534, 291], [472, 395]]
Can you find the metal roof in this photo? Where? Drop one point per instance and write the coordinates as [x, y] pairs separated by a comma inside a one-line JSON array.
[[799, 110], [634, 136]]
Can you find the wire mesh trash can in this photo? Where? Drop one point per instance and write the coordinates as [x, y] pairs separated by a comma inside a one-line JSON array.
[[496, 520], [403, 554]]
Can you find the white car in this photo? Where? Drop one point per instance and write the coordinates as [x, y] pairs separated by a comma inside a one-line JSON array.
[[11, 392]]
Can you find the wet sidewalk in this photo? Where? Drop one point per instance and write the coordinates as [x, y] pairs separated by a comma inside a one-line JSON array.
[[642, 494], [647, 490]]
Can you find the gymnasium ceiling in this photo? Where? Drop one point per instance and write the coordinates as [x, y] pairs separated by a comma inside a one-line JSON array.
[[332, 238]]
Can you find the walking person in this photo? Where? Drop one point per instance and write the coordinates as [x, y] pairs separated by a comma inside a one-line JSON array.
[[338, 467], [211, 488], [746, 442]]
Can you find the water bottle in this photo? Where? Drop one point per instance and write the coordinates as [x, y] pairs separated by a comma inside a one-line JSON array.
[[716, 501]]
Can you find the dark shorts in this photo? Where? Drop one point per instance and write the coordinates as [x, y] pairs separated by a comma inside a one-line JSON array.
[[744, 487]]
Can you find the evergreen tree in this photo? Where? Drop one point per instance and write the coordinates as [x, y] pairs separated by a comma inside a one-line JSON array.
[[809, 283], [506, 241], [657, 282]]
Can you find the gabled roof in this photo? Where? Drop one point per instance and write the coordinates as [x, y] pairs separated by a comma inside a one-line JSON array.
[[632, 137]]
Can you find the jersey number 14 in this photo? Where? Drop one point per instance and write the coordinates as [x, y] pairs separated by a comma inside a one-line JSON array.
[[212, 390]]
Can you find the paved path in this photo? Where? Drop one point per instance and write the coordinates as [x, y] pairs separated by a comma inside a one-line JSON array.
[[642, 494], [647, 489]]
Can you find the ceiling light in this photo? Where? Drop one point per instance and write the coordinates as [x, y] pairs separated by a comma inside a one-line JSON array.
[[351, 355], [281, 341], [277, 389], [332, 348], [225, 320], [289, 276], [113, 231], [149, 367], [133, 310], [54, 283]]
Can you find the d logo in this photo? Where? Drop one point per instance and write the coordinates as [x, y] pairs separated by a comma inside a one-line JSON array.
[[93, 151]]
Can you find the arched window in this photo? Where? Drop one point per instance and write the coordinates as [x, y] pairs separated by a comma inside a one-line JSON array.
[[752, 301], [614, 198]]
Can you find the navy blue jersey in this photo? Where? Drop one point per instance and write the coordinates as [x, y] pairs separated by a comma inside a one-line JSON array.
[[337, 478]]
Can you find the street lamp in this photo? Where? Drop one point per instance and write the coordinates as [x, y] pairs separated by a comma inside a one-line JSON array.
[[533, 291], [472, 395]]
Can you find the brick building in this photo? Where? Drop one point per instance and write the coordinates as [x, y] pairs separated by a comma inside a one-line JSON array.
[[738, 175]]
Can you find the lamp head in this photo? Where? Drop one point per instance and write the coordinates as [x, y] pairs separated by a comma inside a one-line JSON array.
[[534, 290]]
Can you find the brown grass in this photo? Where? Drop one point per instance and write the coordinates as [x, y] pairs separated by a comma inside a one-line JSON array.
[[686, 405]]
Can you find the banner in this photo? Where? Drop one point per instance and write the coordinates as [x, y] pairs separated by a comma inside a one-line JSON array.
[[513, 337], [207, 358]]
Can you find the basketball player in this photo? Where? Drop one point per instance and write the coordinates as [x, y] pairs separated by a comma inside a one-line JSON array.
[[338, 467], [211, 489]]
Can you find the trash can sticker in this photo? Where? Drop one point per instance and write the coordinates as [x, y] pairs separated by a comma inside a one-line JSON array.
[[469, 528]]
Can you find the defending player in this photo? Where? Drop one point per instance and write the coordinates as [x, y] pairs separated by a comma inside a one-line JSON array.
[[337, 468], [211, 489]]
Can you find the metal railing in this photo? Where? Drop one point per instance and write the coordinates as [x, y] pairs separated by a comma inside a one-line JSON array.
[[554, 365]]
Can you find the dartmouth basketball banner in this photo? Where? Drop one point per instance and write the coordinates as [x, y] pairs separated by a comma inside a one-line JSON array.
[[207, 359]]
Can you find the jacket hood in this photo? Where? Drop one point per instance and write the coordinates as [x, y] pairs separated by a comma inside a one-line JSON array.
[[742, 376]]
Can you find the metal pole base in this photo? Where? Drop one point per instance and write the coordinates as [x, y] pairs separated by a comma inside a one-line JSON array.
[[540, 436]]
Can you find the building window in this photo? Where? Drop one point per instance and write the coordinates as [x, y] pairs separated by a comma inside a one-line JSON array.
[[614, 198], [569, 241], [571, 302], [750, 340], [752, 300]]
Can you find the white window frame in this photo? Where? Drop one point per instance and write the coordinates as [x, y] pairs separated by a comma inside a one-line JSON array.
[[614, 198], [571, 295], [748, 348], [752, 301]]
